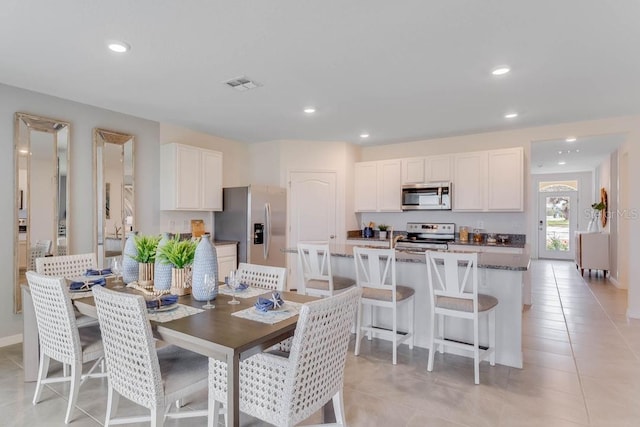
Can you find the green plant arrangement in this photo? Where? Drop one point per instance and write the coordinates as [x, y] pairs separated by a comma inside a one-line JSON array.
[[146, 249], [383, 227], [600, 206], [179, 253]]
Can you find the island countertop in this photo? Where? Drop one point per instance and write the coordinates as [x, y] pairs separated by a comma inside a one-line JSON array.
[[495, 261]]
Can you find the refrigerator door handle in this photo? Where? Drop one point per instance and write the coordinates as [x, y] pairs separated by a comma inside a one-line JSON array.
[[267, 230]]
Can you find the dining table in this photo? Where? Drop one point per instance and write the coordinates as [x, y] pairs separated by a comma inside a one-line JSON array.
[[219, 334]]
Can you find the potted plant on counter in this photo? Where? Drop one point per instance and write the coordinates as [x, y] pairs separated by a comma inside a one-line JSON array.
[[180, 254], [383, 231], [146, 257]]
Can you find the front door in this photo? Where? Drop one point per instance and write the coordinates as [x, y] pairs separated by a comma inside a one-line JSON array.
[[557, 220], [312, 212]]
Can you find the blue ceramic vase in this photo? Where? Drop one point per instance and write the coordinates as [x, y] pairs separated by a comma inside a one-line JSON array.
[[162, 271], [205, 261], [130, 265]]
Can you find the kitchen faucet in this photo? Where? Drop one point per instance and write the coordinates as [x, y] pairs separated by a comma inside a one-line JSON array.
[[394, 240]]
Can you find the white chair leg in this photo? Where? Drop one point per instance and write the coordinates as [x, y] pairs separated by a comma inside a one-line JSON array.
[[492, 337], [112, 405], [395, 334], [76, 375], [358, 328], [42, 374], [432, 347], [157, 416], [476, 352], [65, 370], [213, 413], [370, 331], [412, 306], [338, 408], [441, 333]]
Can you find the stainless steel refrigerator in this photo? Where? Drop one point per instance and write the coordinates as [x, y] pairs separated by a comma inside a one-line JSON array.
[[255, 216]]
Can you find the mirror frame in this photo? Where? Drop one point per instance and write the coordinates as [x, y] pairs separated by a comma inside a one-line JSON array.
[[100, 138], [29, 122]]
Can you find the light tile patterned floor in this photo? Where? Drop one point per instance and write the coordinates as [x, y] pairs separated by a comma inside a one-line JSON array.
[[582, 368]]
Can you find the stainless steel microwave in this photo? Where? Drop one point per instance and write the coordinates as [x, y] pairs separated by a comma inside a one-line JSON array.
[[429, 196]]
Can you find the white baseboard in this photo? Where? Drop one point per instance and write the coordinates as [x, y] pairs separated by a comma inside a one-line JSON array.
[[633, 314], [10, 340]]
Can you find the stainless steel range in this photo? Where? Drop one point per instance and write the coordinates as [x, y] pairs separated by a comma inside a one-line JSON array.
[[422, 236]]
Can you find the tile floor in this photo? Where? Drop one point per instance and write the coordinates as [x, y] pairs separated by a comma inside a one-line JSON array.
[[582, 368]]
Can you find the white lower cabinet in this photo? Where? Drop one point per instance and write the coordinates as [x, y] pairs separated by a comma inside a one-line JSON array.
[[227, 259]]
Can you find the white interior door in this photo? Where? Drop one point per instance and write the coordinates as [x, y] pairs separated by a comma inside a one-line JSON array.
[[312, 212], [557, 221]]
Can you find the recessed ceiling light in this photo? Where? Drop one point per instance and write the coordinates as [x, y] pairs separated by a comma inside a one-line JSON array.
[[559, 151], [501, 70], [571, 139], [511, 115], [577, 150], [364, 135], [309, 110], [118, 47], [562, 162]]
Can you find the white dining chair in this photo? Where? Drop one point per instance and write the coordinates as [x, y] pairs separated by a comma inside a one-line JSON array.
[[376, 275], [284, 391], [66, 265], [262, 276], [453, 288], [316, 276], [36, 253], [136, 370], [69, 266], [60, 338]]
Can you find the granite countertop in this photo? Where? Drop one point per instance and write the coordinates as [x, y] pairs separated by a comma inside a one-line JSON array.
[[516, 244], [495, 261]]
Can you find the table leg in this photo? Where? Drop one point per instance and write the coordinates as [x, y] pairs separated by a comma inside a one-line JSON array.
[[233, 390]]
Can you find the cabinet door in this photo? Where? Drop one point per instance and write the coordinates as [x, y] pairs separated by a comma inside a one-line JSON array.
[[365, 190], [505, 180], [188, 177], [211, 180], [437, 168], [469, 183], [389, 186], [413, 170]]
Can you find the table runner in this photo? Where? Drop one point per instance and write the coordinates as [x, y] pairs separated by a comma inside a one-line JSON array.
[[289, 309]]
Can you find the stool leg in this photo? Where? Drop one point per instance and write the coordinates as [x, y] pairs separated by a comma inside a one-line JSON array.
[[432, 347], [492, 337], [358, 329]]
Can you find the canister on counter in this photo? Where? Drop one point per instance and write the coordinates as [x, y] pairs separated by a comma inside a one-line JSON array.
[[464, 233]]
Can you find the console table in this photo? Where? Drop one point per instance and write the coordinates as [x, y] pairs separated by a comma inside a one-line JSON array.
[[592, 251]]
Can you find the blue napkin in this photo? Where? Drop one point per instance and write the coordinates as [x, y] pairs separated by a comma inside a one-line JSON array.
[[86, 286], [93, 272], [266, 304], [162, 301], [241, 286]]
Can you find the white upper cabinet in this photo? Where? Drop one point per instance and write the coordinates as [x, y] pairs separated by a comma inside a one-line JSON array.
[[413, 170], [417, 170], [438, 168], [378, 186], [469, 182], [489, 180], [190, 178], [505, 180]]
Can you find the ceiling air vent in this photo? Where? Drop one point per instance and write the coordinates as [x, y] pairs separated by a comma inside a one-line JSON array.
[[242, 83]]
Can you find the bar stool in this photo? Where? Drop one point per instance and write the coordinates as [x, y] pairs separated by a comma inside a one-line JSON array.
[[376, 275], [314, 262], [450, 296]]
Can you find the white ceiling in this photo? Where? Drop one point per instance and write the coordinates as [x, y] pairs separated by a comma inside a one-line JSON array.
[[399, 70]]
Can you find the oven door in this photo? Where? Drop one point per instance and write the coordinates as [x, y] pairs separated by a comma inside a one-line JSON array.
[[425, 198]]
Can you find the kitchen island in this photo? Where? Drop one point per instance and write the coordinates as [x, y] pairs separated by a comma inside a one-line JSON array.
[[499, 274]]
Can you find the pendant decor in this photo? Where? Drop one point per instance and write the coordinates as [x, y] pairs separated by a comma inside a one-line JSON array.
[[205, 261], [130, 265], [162, 269]]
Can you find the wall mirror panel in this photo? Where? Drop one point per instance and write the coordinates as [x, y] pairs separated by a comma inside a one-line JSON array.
[[115, 193], [41, 148]]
